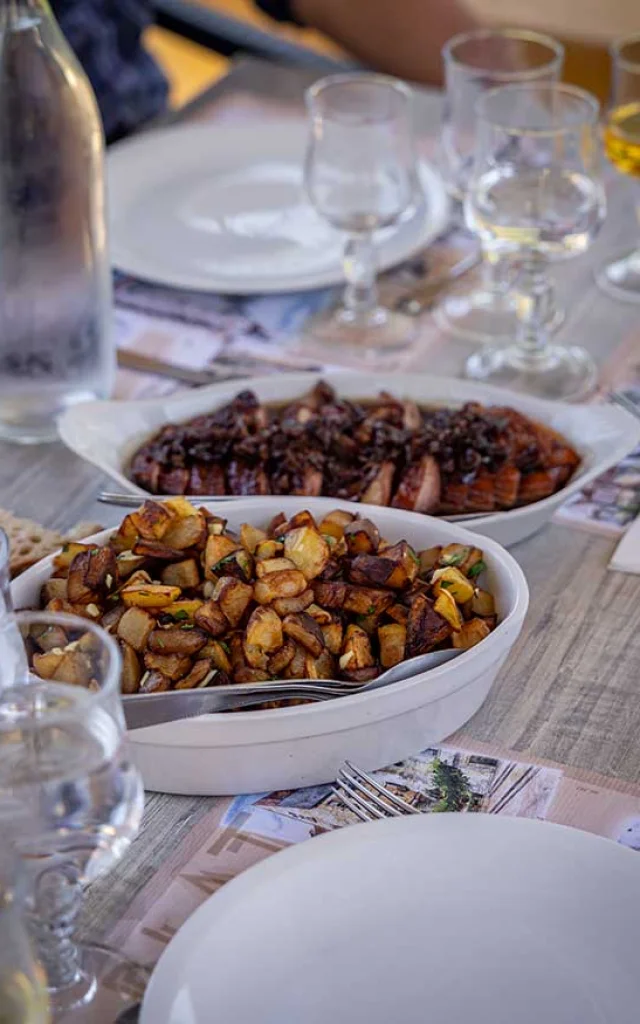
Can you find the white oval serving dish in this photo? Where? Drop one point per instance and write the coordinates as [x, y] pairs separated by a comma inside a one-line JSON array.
[[108, 433], [248, 752]]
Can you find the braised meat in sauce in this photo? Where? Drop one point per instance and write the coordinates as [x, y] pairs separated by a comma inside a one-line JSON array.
[[435, 460]]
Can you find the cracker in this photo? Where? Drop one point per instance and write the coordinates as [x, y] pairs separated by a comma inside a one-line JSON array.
[[29, 541]]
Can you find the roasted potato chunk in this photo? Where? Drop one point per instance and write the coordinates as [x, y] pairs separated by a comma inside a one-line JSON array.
[[392, 639], [211, 619], [202, 674], [217, 651], [127, 563], [131, 669], [149, 595], [176, 640], [154, 682], [335, 523], [429, 559], [183, 611], [470, 634], [187, 532], [55, 587], [135, 628], [332, 634], [185, 575], [290, 583], [250, 537], [426, 628], [268, 549], [281, 658], [296, 668], [321, 667], [50, 638], [267, 565], [461, 556], [181, 506], [152, 520], [125, 536], [356, 649], [305, 631], [307, 549], [74, 668], [44, 665], [246, 674], [330, 595], [234, 597], [219, 547], [289, 605], [68, 552], [483, 604], [446, 607], [172, 666], [367, 601], [91, 575], [263, 636], [453, 581], [362, 537]]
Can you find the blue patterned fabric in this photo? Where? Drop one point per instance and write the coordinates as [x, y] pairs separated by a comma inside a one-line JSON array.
[[106, 36]]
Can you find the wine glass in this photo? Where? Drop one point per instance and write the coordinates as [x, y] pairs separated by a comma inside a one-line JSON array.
[[620, 277], [70, 798], [475, 62], [23, 995], [536, 193], [360, 174]]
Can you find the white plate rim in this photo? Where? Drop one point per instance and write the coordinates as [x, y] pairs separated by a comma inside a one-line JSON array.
[[276, 867], [424, 229]]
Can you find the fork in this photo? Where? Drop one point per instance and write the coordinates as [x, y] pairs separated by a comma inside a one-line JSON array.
[[360, 793]]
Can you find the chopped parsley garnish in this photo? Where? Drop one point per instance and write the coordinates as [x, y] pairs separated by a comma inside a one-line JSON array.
[[225, 646], [280, 539], [414, 556], [225, 561], [188, 625], [94, 551], [180, 615], [476, 569], [446, 584], [456, 559], [371, 609]]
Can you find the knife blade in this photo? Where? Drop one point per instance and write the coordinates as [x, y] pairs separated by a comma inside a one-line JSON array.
[[142, 363]]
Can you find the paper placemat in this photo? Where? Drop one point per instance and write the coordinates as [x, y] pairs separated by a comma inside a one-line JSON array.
[[465, 778]]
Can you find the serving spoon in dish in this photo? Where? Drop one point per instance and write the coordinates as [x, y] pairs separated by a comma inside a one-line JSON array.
[[146, 709]]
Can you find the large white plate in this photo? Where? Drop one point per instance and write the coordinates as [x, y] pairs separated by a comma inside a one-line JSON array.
[[107, 433], [221, 208], [459, 919], [248, 752]]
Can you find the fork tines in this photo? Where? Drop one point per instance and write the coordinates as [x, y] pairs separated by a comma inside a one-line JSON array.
[[360, 793], [626, 401]]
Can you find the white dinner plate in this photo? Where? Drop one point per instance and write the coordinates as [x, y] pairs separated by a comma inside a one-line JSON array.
[[107, 433], [221, 208], [454, 918]]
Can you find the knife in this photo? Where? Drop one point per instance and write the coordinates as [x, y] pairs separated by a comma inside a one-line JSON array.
[[141, 363]]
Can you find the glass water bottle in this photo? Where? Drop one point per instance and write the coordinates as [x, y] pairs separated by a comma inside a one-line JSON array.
[[55, 280]]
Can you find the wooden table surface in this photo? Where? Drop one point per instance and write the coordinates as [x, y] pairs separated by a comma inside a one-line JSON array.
[[569, 692]]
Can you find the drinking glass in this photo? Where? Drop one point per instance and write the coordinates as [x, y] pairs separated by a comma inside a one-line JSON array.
[[23, 996], [475, 62], [70, 798], [620, 277], [360, 174], [536, 193]]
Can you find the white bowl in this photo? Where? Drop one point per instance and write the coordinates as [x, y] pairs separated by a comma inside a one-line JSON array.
[[285, 748], [108, 433]]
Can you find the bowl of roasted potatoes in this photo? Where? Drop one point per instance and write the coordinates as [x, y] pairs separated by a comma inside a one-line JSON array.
[[284, 588]]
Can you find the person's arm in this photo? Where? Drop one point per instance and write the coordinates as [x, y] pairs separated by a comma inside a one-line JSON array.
[[399, 37]]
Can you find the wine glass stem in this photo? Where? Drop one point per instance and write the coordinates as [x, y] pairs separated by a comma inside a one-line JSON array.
[[536, 297], [361, 294], [496, 271], [56, 903]]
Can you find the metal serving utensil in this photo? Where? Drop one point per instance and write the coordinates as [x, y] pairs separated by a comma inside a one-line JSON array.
[[145, 709]]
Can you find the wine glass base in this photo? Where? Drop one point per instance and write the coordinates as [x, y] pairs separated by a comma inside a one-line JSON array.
[[486, 317], [620, 277], [108, 985], [337, 335], [564, 374]]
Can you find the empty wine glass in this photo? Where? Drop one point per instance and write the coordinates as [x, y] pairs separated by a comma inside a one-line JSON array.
[[69, 796], [475, 62], [360, 175], [536, 193], [620, 277]]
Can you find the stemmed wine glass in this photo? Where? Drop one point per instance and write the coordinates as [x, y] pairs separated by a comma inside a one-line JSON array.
[[536, 193], [620, 277], [475, 62], [70, 798], [360, 175]]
